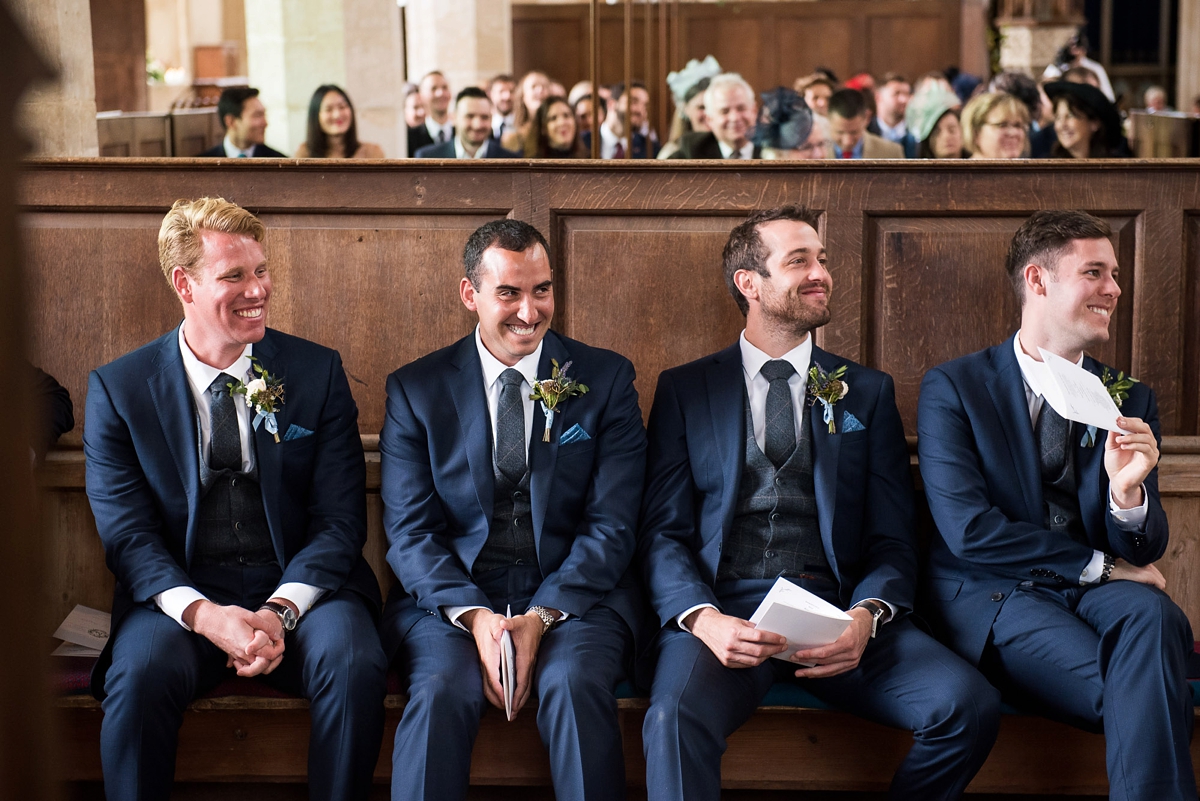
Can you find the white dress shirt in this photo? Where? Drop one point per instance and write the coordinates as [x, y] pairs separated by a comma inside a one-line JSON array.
[[446, 129], [235, 152], [1035, 376], [890, 133], [746, 151], [502, 123], [608, 142], [176, 600], [757, 387], [492, 368]]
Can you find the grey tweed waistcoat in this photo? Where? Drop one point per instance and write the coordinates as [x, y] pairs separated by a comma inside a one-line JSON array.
[[510, 536], [231, 523]]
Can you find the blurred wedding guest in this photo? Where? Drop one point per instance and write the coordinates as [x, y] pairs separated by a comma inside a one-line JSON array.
[[500, 92], [935, 76], [473, 131], [580, 89], [54, 414], [1074, 54], [817, 89], [689, 117], [414, 108], [533, 88], [556, 89], [438, 127], [245, 119], [1086, 124], [332, 129], [786, 128], [966, 86], [1081, 75], [623, 127], [994, 126], [1041, 116], [583, 113], [848, 126], [557, 134], [730, 111], [1155, 99], [932, 118], [891, 101]]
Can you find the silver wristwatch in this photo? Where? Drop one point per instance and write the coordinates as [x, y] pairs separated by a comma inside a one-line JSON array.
[[546, 616]]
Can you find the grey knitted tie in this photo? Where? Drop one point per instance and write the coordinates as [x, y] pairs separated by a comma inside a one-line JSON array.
[[510, 427], [781, 417], [1052, 433], [226, 446]]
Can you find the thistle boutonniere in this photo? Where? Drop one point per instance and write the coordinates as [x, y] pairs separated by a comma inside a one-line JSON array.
[[828, 388], [263, 394], [554, 390], [1118, 387]]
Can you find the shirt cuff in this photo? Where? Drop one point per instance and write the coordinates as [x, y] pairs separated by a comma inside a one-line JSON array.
[[679, 620], [175, 601], [453, 613], [303, 596], [1095, 566], [891, 609], [1129, 519]]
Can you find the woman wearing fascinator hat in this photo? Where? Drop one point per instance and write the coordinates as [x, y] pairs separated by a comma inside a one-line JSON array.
[[1087, 124], [788, 129]]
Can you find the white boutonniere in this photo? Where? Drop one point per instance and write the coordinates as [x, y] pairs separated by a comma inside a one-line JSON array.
[[264, 396], [1118, 389], [828, 389], [554, 390]]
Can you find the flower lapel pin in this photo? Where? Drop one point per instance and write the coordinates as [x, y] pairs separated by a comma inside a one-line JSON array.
[[1118, 387], [827, 388], [553, 391], [263, 394]]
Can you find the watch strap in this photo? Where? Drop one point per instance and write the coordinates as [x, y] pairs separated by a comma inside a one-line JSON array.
[[287, 618], [547, 617]]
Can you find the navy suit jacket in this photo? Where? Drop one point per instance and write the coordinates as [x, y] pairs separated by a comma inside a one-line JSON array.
[[694, 471], [446, 151], [259, 152], [143, 479], [979, 463], [438, 483]]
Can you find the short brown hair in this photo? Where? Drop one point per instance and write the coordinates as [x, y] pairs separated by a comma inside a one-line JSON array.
[[745, 249], [1045, 237], [977, 111], [179, 242]]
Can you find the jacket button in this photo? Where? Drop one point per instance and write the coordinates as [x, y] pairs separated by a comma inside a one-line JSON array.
[[774, 515], [1059, 520], [237, 526], [770, 554], [997, 596], [516, 495], [233, 482]]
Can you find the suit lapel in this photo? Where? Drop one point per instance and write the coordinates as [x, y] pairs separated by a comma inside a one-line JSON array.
[[826, 449], [726, 385], [1089, 466], [172, 399], [1007, 389], [268, 453], [544, 455], [470, 404]]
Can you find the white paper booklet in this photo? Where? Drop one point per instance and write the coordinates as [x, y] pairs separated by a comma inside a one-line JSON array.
[[1078, 395], [86, 630], [508, 668], [805, 619]]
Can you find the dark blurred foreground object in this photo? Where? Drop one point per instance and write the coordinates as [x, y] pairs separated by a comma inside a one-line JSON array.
[[54, 414]]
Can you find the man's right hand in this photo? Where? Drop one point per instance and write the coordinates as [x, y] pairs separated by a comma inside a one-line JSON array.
[[1124, 571], [735, 642], [240, 633], [487, 627]]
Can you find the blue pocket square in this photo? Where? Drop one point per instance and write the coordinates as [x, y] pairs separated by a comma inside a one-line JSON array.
[[575, 434], [296, 432], [851, 423]]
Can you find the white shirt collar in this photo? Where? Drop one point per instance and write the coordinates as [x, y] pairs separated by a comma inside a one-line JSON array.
[[608, 141], [892, 134], [746, 151], [493, 367], [460, 152], [432, 126], [201, 375], [233, 152], [1033, 371], [753, 359]]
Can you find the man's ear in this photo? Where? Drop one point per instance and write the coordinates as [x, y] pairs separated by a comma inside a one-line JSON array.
[[182, 283], [745, 281], [1035, 279], [466, 291]]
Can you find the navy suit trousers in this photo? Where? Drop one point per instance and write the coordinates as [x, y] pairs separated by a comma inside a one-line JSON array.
[[333, 659], [1108, 658], [579, 663], [905, 679]]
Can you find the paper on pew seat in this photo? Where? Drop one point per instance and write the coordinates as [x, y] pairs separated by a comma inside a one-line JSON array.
[[86, 627], [71, 649], [807, 620], [1077, 394]]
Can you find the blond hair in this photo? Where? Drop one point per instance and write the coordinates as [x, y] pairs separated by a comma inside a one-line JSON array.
[[179, 242], [977, 111]]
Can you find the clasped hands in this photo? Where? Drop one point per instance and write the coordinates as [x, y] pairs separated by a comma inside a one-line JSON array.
[[487, 628], [253, 641], [738, 644]]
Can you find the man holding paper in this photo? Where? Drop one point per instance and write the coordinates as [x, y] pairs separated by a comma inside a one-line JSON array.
[[773, 458], [512, 466], [1041, 569]]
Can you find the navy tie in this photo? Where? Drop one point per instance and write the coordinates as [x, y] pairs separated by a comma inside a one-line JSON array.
[[781, 417], [226, 445], [510, 427]]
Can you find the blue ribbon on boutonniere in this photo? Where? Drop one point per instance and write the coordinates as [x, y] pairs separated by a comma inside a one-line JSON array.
[[264, 395], [1118, 389], [554, 390], [828, 389]]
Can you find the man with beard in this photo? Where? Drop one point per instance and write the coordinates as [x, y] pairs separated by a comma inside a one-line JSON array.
[[752, 478]]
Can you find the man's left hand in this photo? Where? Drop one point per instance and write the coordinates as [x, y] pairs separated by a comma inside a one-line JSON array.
[[841, 655], [267, 647], [526, 633], [1128, 460]]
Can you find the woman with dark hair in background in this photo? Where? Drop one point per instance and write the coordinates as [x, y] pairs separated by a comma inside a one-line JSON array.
[[1086, 124], [689, 117], [557, 132], [533, 88], [932, 119], [332, 130]]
